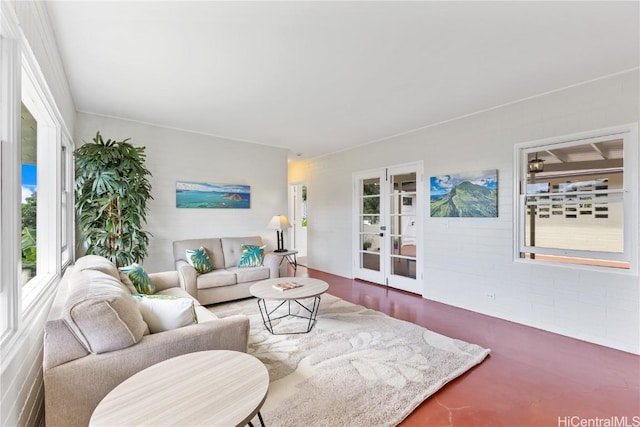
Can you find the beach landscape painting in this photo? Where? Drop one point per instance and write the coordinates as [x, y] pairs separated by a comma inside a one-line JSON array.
[[470, 194], [212, 196]]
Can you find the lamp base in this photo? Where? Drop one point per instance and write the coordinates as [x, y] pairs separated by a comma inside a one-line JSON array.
[[280, 248]]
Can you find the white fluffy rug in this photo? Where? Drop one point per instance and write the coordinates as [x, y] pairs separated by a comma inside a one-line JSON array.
[[357, 367]]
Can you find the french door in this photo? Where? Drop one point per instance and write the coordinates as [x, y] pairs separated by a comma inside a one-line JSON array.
[[388, 226]]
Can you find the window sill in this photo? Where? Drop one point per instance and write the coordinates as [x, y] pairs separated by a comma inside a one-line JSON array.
[[36, 303], [33, 290], [605, 267]]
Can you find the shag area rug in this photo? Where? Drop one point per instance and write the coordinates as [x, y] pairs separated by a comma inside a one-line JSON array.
[[357, 367]]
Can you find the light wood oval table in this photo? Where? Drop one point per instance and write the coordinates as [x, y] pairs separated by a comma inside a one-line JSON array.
[[311, 288], [206, 388]]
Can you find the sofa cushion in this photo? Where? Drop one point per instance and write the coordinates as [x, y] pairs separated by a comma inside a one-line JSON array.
[[250, 274], [140, 279], [252, 256], [165, 312], [232, 248], [204, 315], [199, 259], [215, 279], [101, 312], [96, 262], [178, 293]]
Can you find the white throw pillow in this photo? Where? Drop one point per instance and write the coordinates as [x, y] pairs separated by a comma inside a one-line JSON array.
[[164, 312]]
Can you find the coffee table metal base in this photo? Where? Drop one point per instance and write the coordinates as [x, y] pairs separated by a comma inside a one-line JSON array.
[[267, 318], [259, 418]]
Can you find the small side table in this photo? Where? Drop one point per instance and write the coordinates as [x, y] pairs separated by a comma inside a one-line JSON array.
[[290, 256]]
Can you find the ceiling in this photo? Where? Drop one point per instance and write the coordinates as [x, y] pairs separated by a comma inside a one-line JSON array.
[[321, 77], [581, 159], [611, 149]]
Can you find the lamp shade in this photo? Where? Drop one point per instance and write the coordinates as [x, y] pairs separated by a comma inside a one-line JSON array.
[[279, 222]]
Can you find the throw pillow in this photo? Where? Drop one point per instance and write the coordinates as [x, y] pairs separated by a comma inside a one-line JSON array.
[[140, 279], [252, 256], [124, 278], [199, 259], [165, 312]]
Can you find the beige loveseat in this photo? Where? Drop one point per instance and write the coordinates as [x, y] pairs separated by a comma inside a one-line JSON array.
[[227, 281], [95, 338]]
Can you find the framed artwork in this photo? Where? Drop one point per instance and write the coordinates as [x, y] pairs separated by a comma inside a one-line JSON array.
[[471, 194], [212, 196]]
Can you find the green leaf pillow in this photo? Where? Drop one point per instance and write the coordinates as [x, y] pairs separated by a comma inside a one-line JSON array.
[[140, 279], [199, 259], [252, 256]]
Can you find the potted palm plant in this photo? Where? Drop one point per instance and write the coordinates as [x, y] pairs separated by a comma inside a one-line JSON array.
[[112, 191]]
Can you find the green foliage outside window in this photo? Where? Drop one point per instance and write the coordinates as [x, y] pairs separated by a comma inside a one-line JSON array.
[[303, 222], [29, 208]]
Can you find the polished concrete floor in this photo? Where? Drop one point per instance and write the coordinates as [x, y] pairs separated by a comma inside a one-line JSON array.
[[531, 378]]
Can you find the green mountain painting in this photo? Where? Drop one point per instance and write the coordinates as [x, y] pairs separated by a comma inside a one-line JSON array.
[[473, 194]]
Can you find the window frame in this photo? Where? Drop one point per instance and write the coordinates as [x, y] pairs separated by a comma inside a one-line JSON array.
[[10, 83], [48, 170], [629, 193], [67, 202], [20, 76]]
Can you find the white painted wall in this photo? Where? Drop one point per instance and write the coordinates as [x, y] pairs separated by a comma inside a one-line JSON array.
[[465, 259], [174, 155]]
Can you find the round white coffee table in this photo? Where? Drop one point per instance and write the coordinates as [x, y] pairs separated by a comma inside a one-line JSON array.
[[206, 388], [311, 288]]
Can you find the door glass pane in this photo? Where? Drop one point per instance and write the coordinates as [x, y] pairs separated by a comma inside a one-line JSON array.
[[402, 230], [370, 261], [371, 187], [370, 242], [370, 224]]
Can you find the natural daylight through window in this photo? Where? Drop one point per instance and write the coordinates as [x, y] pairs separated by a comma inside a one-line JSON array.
[[576, 199]]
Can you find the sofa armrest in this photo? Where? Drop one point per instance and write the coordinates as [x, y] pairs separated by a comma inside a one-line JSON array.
[[188, 277], [165, 280], [74, 389], [273, 262]]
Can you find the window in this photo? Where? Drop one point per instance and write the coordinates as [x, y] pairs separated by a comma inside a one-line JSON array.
[[36, 173], [576, 201], [29, 163], [41, 178], [66, 202]]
